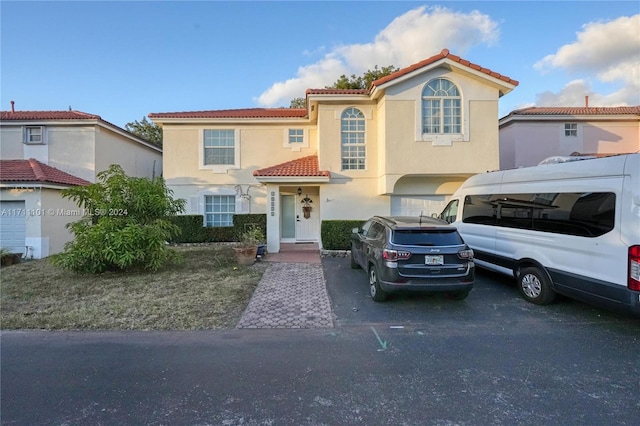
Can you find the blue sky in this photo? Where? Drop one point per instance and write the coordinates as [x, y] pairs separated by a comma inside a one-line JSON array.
[[123, 60]]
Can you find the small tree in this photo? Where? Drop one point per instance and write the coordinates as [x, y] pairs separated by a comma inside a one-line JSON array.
[[146, 129], [364, 81], [124, 225], [298, 103]]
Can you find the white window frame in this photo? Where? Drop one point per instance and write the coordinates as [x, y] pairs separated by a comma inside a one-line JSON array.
[[296, 146], [442, 109], [207, 213], [358, 134], [571, 130], [220, 168], [27, 135]]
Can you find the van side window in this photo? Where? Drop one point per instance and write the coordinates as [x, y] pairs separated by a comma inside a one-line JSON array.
[[450, 212], [588, 214]]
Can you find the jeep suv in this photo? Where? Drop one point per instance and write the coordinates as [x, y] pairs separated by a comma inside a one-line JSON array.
[[412, 253]]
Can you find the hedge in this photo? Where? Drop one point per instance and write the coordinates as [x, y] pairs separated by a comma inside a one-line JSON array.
[[336, 234], [192, 230]]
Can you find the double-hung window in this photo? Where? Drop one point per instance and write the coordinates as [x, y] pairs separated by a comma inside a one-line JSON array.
[[441, 108], [33, 135], [219, 210], [219, 147], [353, 139]]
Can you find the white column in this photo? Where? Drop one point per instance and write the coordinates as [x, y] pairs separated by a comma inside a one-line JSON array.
[[273, 218]]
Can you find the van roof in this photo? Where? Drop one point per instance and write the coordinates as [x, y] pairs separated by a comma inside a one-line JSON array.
[[593, 167]]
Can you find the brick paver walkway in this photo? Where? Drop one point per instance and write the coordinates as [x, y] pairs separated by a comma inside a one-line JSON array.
[[289, 295]]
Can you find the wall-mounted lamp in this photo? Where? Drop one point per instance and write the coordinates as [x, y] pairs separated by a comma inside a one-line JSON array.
[[299, 191]]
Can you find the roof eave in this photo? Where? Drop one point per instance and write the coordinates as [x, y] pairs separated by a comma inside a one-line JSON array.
[[293, 179]]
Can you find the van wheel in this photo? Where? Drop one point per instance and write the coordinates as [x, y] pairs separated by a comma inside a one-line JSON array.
[[377, 293], [535, 287]]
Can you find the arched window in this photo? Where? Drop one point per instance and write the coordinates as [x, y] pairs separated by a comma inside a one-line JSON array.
[[352, 139], [441, 107]]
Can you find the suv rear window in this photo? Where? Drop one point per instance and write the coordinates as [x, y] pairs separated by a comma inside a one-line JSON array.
[[421, 237]]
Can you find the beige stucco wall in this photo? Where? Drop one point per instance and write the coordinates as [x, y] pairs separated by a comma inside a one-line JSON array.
[[136, 159], [60, 212], [72, 150], [47, 214]]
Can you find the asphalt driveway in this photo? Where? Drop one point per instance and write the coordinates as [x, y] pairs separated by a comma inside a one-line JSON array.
[[415, 360]]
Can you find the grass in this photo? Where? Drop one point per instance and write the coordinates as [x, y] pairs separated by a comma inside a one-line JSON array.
[[206, 291]]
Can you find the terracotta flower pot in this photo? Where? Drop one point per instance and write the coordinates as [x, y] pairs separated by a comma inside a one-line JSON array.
[[246, 255]]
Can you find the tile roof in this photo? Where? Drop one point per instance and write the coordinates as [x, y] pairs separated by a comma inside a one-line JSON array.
[[46, 115], [633, 110], [330, 91], [442, 55], [236, 113], [32, 170], [301, 167]]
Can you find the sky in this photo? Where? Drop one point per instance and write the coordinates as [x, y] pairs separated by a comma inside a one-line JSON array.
[[122, 60]]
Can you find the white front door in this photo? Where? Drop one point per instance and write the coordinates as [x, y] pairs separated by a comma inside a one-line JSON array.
[[307, 217]]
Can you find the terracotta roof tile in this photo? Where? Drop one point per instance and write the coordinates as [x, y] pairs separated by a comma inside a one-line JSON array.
[[623, 110], [442, 55], [302, 167], [46, 115], [330, 91], [236, 113], [32, 170]]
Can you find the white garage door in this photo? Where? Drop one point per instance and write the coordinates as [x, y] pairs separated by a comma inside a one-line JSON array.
[[414, 205], [13, 226]]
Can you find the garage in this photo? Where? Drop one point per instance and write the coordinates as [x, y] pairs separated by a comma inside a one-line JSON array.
[[13, 226], [414, 205]]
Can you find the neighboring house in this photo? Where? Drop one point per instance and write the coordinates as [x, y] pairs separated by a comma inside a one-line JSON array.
[[530, 135], [403, 146], [43, 152]]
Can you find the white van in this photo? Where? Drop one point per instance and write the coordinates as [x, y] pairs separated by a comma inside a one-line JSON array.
[[571, 228]]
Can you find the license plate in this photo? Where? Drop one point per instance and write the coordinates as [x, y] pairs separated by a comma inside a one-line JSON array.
[[434, 260]]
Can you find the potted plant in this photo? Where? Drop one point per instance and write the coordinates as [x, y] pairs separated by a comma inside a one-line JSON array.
[[247, 247]]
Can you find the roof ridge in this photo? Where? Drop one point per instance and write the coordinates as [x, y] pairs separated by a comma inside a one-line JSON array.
[[37, 170]]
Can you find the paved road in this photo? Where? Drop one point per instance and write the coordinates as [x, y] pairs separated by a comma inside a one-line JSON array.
[[491, 359]]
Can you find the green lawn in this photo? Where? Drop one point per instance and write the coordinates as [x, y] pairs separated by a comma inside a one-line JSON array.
[[206, 291]]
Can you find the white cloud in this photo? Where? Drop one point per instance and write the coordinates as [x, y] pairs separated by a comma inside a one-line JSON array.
[[410, 38], [609, 51]]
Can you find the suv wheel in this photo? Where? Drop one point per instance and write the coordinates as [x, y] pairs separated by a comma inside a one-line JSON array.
[[377, 293], [535, 287]]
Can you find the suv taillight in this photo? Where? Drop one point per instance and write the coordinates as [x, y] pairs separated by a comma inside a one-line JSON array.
[[394, 255], [466, 254], [634, 268]]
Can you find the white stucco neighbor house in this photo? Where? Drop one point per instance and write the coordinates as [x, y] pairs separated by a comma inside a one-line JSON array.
[[402, 146], [43, 152], [530, 135]]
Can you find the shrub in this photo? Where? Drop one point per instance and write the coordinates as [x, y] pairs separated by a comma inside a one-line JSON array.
[[244, 222], [336, 234], [191, 229], [125, 224]]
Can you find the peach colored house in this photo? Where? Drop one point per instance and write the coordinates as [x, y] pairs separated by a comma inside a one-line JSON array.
[[43, 152], [402, 146], [530, 135]]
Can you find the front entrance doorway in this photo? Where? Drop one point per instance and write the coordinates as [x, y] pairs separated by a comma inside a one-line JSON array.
[[300, 217]]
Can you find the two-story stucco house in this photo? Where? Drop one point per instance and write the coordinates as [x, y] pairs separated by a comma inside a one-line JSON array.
[[530, 135], [400, 147], [43, 152]]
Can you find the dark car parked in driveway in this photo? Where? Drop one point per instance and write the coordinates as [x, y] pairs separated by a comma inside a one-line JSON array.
[[412, 253]]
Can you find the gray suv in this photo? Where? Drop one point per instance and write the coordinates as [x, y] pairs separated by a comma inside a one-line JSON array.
[[412, 253]]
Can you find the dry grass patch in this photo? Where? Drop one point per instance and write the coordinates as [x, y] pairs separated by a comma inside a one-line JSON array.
[[206, 291]]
